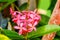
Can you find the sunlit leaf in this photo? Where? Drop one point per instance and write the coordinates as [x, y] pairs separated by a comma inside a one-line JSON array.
[[3, 37], [44, 30], [44, 4]]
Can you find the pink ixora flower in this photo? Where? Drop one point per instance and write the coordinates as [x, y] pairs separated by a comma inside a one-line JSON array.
[[25, 20]]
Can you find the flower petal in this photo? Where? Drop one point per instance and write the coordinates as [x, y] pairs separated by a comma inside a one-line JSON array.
[[35, 23], [30, 25], [20, 32], [16, 27]]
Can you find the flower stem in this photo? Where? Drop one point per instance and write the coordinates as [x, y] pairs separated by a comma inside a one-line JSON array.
[[12, 5], [17, 7], [26, 38]]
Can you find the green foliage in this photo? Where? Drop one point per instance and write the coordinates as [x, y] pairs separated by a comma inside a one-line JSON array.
[[44, 4], [23, 6], [34, 34], [13, 35], [51, 7], [47, 5], [48, 13], [35, 39], [44, 30]]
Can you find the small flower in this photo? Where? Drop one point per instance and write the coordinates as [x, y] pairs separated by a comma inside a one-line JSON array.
[[25, 20], [21, 29]]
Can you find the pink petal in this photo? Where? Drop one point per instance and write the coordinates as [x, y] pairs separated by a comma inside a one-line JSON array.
[[34, 28], [30, 29], [14, 19], [11, 10], [21, 24], [16, 27], [24, 28], [31, 15], [30, 24], [35, 23], [18, 17], [36, 18], [23, 17], [30, 20], [18, 22], [20, 32]]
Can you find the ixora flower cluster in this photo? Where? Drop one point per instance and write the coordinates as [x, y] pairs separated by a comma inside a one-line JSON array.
[[25, 20]]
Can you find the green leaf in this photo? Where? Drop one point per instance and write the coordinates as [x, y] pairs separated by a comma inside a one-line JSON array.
[[44, 30], [35, 39], [44, 4], [48, 13], [23, 6], [13, 35], [7, 4], [44, 20], [6, 0], [53, 2]]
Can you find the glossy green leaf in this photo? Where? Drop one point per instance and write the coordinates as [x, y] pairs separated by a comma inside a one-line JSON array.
[[13, 35], [23, 6], [44, 30], [44, 4]]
